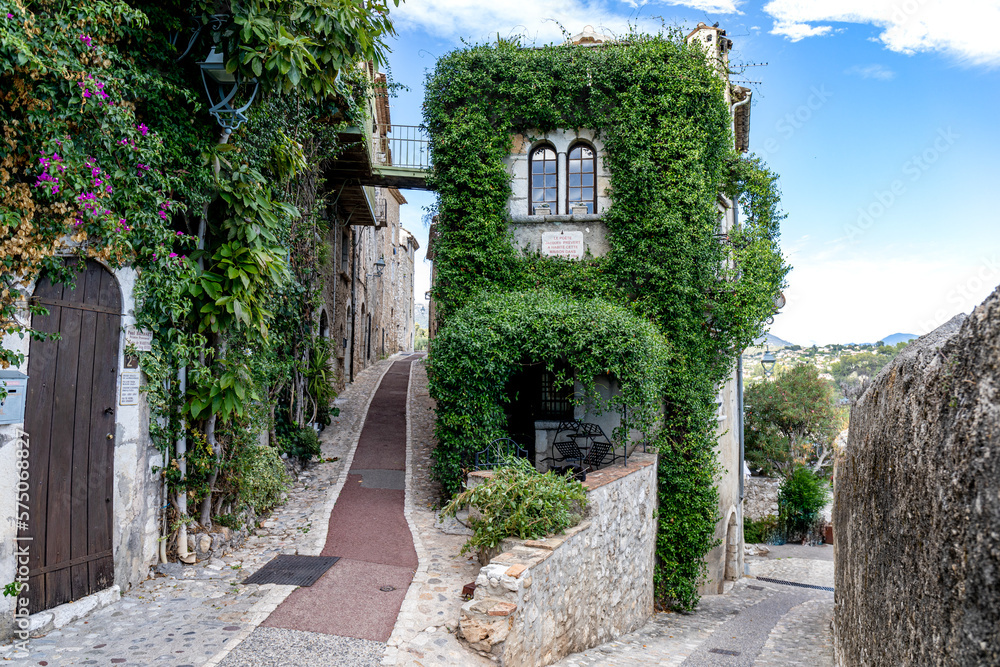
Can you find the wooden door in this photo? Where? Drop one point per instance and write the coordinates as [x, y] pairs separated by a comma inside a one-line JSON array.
[[70, 422]]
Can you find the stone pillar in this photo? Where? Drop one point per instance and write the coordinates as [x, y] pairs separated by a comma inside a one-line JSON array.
[[563, 172]]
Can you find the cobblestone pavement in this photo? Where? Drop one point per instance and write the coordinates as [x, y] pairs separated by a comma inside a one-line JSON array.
[[196, 614], [761, 622]]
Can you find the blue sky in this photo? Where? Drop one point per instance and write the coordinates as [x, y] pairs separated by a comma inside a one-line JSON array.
[[880, 117]]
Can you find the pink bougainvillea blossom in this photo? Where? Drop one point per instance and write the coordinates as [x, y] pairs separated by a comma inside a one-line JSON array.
[[142, 129], [86, 40]]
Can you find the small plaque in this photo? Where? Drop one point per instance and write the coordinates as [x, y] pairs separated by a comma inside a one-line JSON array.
[[130, 387], [563, 244], [142, 339]]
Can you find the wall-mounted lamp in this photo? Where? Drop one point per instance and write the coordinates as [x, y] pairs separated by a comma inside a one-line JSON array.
[[767, 362], [225, 86], [379, 265]]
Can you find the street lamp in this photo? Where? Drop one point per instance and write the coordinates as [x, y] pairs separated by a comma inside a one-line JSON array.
[[379, 265], [225, 85], [767, 362]]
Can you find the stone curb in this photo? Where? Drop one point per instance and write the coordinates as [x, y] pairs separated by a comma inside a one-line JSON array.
[[262, 609]]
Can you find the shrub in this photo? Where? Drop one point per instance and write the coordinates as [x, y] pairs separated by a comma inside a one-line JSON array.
[[760, 531], [262, 478], [801, 496], [518, 501]]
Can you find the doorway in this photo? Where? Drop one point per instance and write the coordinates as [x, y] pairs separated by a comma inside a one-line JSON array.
[[70, 414]]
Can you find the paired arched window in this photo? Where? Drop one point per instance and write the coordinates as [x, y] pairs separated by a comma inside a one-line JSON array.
[[582, 168], [544, 178]]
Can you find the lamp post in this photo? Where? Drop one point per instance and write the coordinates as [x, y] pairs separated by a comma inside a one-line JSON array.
[[221, 88]]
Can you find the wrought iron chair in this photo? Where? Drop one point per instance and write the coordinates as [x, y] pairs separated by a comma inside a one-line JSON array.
[[566, 445], [497, 452], [600, 446]]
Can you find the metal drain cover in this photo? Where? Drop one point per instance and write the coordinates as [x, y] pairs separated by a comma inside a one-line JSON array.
[[722, 651], [292, 570], [387, 589]]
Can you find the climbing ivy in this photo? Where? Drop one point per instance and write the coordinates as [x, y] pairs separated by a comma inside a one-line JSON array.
[[107, 152], [659, 109]]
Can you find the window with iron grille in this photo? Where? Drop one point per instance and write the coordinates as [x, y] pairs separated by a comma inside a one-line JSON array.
[[554, 402]]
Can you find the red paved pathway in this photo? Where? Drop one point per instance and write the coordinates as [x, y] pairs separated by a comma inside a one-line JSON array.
[[367, 530]]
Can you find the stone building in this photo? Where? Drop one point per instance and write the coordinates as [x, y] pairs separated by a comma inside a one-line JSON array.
[[367, 311], [559, 196]]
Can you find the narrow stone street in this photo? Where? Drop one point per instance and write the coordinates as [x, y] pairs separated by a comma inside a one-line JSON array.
[[203, 615]]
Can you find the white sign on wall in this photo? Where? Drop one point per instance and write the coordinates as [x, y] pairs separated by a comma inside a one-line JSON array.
[[130, 387], [142, 339], [563, 244]]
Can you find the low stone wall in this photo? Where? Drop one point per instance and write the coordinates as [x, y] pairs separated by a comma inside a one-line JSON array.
[[543, 599], [917, 505], [761, 499]]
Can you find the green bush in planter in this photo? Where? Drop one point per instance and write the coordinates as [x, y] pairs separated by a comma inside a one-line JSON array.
[[801, 496], [518, 501]]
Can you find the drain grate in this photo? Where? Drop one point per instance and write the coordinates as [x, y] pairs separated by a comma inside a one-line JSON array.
[[723, 651], [292, 570], [387, 589], [795, 583]]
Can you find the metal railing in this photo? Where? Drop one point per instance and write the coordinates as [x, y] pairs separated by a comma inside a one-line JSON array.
[[404, 146]]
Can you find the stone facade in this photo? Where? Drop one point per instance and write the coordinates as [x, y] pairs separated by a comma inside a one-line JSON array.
[[917, 504], [544, 599], [367, 314]]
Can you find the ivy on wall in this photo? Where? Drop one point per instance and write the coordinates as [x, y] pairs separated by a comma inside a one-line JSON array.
[[107, 151], [659, 110]]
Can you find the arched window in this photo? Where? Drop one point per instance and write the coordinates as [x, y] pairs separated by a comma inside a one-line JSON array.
[[582, 167], [544, 178]]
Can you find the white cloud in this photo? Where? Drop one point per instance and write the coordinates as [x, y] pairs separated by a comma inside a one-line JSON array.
[[796, 31], [871, 72], [539, 21], [963, 29]]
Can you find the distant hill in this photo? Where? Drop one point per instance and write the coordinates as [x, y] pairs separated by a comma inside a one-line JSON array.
[[898, 338], [773, 342]]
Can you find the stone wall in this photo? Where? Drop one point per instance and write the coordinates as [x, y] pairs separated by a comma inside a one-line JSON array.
[[761, 498], [544, 599], [917, 505]]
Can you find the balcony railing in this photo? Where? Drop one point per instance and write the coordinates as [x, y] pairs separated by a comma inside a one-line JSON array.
[[404, 146]]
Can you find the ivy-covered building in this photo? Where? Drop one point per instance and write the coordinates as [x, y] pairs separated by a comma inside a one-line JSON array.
[[603, 252]]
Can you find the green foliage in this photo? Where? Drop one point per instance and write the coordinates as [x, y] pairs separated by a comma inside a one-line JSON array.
[[486, 343], [420, 338], [851, 370], [13, 589], [109, 153], [761, 531], [793, 418], [518, 501], [801, 496], [261, 478], [319, 382], [660, 112]]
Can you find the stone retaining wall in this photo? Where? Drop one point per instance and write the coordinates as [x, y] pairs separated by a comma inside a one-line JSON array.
[[761, 498], [917, 505], [543, 599]]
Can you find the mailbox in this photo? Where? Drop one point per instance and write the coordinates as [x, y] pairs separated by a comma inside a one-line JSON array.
[[12, 405]]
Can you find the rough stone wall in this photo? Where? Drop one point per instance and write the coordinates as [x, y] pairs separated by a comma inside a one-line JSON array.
[[917, 505], [544, 599], [761, 498]]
